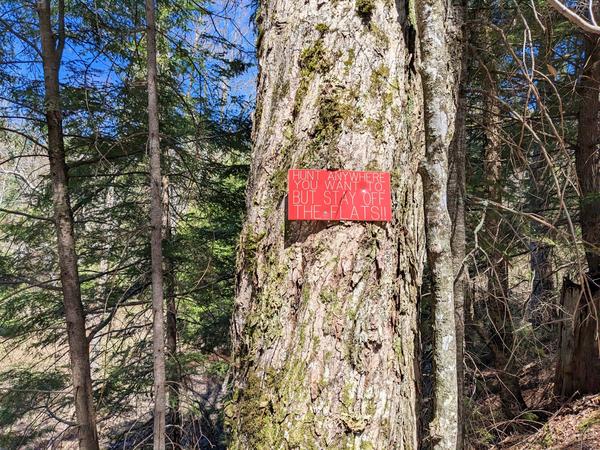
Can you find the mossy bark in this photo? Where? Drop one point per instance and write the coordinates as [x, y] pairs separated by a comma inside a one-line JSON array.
[[324, 330]]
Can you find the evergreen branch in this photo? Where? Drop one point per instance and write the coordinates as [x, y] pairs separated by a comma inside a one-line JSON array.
[[29, 216]]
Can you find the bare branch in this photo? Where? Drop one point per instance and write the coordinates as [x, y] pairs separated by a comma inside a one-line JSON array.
[[575, 18]]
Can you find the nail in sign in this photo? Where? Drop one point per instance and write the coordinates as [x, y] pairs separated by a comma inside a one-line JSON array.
[[339, 195]]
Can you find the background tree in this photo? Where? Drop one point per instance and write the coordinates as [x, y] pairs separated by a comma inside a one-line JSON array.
[[52, 46], [204, 136], [156, 235], [578, 369]]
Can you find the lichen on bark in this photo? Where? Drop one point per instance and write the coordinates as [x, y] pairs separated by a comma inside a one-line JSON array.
[[324, 328], [439, 81]]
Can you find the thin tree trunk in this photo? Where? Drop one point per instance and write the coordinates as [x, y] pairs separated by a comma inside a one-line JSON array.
[[63, 220], [156, 218], [324, 329], [541, 253], [174, 372], [539, 310], [456, 208], [174, 378], [501, 339], [439, 83]]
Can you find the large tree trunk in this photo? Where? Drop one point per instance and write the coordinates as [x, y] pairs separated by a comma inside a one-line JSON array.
[[587, 155], [578, 363], [580, 333], [438, 76], [63, 220], [501, 336], [156, 219], [324, 331]]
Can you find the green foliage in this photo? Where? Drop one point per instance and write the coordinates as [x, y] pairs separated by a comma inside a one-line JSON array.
[[205, 145], [27, 393], [586, 424], [313, 60]]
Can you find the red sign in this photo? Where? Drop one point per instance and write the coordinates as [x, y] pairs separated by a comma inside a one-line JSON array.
[[339, 195]]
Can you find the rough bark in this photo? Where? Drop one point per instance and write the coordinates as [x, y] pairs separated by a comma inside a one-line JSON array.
[[324, 328], [156, 218], [578, 362], [52, 48], [587, 154], [580, 339], [501, 337], [438, 80]]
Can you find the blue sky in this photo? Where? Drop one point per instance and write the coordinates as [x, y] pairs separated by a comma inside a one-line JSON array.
[[84, 66]]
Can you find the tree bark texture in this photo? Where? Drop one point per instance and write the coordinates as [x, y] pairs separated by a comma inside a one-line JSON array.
[[578, 361], [578, 369], [324, 330], [457, 160], [438, 76], [587, 154], [156, 219], [52, 48]]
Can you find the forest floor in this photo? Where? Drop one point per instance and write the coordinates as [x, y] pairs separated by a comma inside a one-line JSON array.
[[550, 424], [575, 425]]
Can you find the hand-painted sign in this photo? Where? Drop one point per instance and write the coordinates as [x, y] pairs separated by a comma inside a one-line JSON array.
[[339, 195]]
